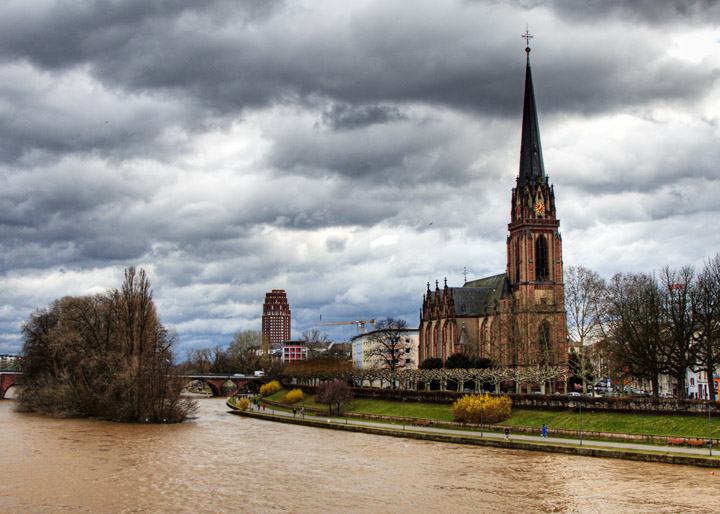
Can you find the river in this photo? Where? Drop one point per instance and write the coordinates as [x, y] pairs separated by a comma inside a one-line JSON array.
[[222, 463]]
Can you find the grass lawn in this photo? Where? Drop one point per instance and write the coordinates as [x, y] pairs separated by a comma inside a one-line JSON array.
[[666, 425]]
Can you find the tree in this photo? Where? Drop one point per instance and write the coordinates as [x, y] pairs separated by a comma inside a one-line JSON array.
[[242, 351], [633, 326], [458, 361], [105, 356], [431, 363], [316, 342], [334, 392], [679, 304], [390, 344], [707, 317], [585, 293]]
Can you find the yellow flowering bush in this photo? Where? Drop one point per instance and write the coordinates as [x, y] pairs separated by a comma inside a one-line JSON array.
[[494, 408], [242, 404], [293, 396], [270, 388]]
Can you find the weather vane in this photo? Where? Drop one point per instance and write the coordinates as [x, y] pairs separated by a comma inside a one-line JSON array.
[[527, 36]]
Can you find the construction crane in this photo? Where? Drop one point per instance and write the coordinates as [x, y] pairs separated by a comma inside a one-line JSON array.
[[360, 324]]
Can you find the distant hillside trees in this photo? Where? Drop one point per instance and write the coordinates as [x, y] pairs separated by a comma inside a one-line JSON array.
[[105, 356]]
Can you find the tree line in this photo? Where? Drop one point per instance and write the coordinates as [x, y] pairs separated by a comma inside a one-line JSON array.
[[645, 325]]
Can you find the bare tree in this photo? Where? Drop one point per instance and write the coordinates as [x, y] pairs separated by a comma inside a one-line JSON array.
[[585, 292], [679, 304], [707, 317], [316, 343], [633, 325], [390, 344]]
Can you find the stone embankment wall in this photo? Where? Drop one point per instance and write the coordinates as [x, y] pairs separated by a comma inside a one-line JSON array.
[[686, 460]]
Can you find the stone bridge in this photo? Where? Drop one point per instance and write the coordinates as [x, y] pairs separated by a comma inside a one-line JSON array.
[[215, 381], [7, 380]]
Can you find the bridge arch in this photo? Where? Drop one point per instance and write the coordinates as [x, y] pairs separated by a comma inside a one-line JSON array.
[[8, 379]]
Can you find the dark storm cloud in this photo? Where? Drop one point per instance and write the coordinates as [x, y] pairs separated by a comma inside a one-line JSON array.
[[58, 35], [639, 11], [237, 61], [342, 117]]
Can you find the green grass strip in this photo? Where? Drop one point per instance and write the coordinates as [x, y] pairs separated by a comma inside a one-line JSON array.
[[612, 422]]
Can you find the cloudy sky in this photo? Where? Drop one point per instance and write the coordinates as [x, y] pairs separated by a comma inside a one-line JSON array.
[[348, 152]]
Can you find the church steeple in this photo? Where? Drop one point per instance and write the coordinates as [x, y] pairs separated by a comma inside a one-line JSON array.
[[532, 169]]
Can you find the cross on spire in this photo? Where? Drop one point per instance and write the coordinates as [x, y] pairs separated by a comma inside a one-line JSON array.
[[527, 37]]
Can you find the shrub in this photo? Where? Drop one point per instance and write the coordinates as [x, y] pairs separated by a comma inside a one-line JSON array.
[[494, 410], [270, 388], [293, 396], [242, 404]]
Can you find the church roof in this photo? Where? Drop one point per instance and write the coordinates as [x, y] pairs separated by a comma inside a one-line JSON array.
[[532, 169], [479, 296]]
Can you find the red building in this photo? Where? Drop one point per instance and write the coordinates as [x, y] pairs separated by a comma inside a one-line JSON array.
[[294, 351], [276, 317]]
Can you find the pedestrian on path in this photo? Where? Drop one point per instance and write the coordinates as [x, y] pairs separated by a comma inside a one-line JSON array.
[[264, 407], [544, 432], [507, 433], [294, 411], [302, 412]]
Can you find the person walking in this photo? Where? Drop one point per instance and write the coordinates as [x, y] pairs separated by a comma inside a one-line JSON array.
[[507, 434], [294, 411], [544, 432]]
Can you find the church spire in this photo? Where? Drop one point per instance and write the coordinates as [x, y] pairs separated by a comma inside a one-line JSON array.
[[532, 169]]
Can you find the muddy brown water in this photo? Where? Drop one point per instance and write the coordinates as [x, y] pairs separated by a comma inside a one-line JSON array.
[[223, 463]]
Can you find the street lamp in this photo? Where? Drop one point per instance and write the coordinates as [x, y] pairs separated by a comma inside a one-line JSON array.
[[482, 403], [403, 411], [580, 404], [709, 431]]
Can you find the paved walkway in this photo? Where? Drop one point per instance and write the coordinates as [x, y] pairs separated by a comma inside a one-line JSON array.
[[680, 450]]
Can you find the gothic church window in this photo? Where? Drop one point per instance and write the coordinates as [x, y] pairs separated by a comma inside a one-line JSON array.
[[541, 259]]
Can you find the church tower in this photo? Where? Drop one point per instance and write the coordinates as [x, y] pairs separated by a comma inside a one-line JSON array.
[[534, 249]]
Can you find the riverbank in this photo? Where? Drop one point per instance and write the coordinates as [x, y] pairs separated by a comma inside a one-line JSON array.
[[650, 429], [587, 448]]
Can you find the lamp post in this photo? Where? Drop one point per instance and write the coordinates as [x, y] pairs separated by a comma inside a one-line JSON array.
[[482, 403], [709, 431], [403, 411], [580, 403]]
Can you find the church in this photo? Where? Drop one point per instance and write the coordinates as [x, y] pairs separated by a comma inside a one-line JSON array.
[[516, 318]]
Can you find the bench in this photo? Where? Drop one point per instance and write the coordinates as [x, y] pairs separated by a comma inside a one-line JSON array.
[[696, 443], [678, 442]]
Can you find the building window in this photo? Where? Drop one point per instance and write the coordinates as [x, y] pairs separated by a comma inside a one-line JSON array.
[[541, 259]]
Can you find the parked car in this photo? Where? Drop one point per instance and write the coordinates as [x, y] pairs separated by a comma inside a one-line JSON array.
[[574, 394]]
